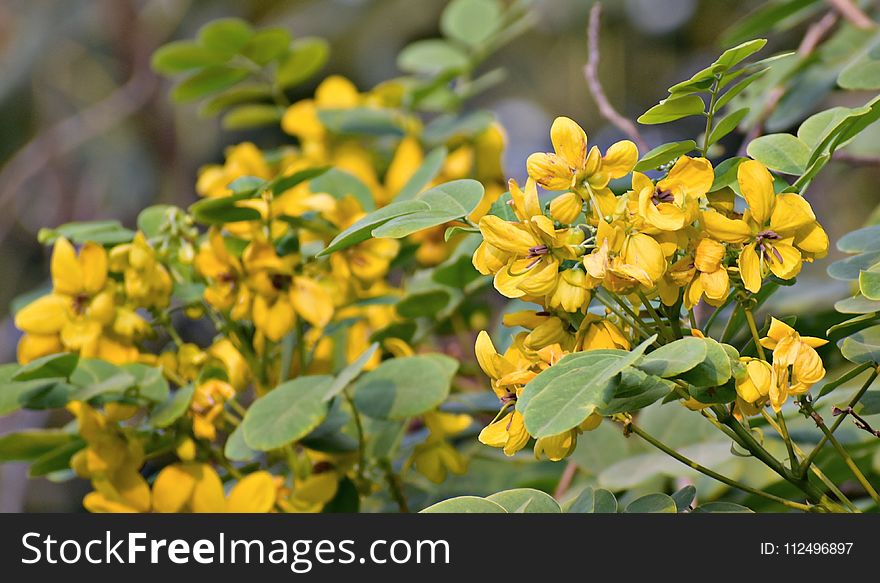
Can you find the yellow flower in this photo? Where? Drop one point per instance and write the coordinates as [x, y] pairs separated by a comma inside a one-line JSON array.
[[779, 232], [796, 363], [574, 165], [673, 202], [435, 457], [196, 487], [207, 405], [112, 460], [597, 332], [508, 433], [572, 293], [225, 275], [527, 254], [566, 207], [79, 314], [755, 382], [146, 281], [710, 280]]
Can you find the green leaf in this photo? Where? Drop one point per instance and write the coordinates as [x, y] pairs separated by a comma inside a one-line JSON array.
[[721, 506], [733, 56], [31, 443], [423, 304], [447, 202], [863, 73], [636, 391], [735, 90], [673, 108], [153, 218], [860, 240], [562, 396], [267, 45], [119, 382], [237, 95], [857, 305], [307, 56], [226, 36], [471, 22], [465, 505], [181, 56], [340, 184], [252, 116], [869, 404], [714, 371], [725, 173], [445, 128], [765, 18], [863, 346], [424, 175], [684, 498], [350, 372], [604, 502], [849, 269], [286, 413], [57, 459], [869, 283], [432, 57], [151, 383], [173, 408], [236, 449], [781, 152], [362, 229], [207, 82], [59, 365], [367, 121], [405, 387], [664, 154], [727, 125], [675, 358], [526, 500], [818, 127], [652, 503], [102, 232], [218, 211]]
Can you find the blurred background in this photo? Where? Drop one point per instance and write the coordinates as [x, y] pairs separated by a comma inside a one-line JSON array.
[[87, 131]]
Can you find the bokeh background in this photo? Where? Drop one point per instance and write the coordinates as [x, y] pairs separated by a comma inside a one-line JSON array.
[[87, 131]]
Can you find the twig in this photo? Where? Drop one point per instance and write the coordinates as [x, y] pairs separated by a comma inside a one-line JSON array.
[[394, 486], [591, 73], [814, 35], [852, 13], [565, 480], [859, 420]]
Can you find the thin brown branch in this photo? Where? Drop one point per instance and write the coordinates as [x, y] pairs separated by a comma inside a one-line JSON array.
[[859, 421], [565, 480], [815, 34], [851, 12], [591, 72], [856, 159]]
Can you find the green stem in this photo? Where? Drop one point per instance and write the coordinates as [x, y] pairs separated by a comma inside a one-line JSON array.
[[658, 322], [715, 314], [394, 486], [712, 474], [641, 331], [728, 328], [362, 444], [750, 318], [710, 118], [786, 436]]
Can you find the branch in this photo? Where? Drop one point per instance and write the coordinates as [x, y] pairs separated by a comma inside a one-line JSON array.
[[859, 421], [852, 13], [591, 73], [814, 35]]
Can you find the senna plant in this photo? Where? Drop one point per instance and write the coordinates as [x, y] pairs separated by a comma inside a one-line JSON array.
[[302, 338]]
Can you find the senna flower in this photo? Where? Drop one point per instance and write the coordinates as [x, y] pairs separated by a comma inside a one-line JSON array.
[[146, 281], [435, 457], [206, 408], [573, 164], [796, 363], [596, 332], [225, 274], [111, 459], [710, 280], [79, 314], [560, 446], [525, 255], [778, 231], [673, 202], [196, 487], [754, 383]]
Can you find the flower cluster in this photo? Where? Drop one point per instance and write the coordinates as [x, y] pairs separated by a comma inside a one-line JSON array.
[[672, 241]]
